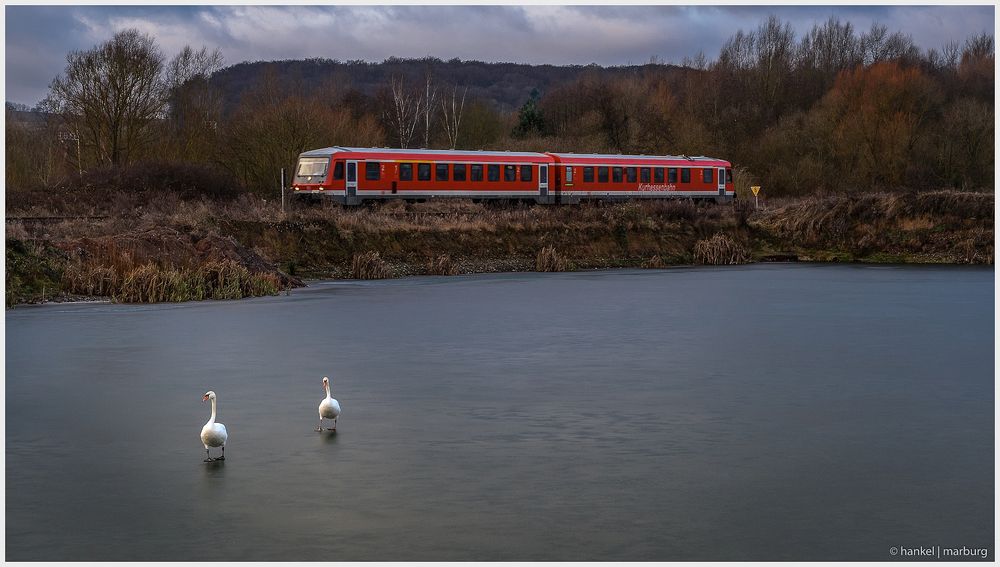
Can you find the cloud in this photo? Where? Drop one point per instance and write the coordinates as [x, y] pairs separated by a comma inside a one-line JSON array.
[[39, 37]]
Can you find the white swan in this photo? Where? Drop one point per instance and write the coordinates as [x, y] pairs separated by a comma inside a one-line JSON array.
[[213, 434], [328, 408]]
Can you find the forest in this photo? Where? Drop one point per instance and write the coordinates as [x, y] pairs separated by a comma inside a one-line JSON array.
[[837, 110]]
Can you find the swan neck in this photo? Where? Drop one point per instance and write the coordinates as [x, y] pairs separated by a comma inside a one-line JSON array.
[[326, 386], [212, 419]]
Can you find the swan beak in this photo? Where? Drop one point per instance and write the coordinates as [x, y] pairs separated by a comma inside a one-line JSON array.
[[204, 398]]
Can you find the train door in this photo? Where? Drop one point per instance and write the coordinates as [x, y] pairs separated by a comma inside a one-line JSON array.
[[722, 182], [352, 178], [543, 181]]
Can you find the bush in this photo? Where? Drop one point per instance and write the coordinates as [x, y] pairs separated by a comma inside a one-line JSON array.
[[188, 180]]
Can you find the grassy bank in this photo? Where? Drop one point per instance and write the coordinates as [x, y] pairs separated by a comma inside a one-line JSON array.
[[166, 245], [946, 227]]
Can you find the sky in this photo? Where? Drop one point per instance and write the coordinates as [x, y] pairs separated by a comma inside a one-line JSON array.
[[38, 37]]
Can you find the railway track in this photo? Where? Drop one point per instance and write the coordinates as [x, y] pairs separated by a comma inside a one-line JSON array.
[[56, 218]]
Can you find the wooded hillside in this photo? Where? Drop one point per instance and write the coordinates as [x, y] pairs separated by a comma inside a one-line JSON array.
[[836, 110]]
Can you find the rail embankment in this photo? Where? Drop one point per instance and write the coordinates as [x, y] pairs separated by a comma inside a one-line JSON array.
[[176, 246]]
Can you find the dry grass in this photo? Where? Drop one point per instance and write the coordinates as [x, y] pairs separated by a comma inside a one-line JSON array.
[[369, 266], [458, 215], [107, 238], [721, 249], [918, 223], [442, 266], [948, 226], [832, 217], [548, 260], [149, 283], [91, 280], [17, 231], [654, 263]]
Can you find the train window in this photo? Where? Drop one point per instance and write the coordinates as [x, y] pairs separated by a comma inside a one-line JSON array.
[[493, 172], [441, 172], [476, 172], [526, 172], [543, 174], [406, 172], [672, 175], [685, 175], [459, 172], [706, 175], [602, 174], [616, 175], [352, 172], [658, 175], [588, 175], [312, 170], [510, 173], [569, 175], [644, 175], [630, 174], [423, 172], [338, 170], [372, 169], [729, 175]]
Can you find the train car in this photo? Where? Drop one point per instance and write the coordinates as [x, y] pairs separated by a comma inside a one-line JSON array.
[[601, 176], [351, 175]]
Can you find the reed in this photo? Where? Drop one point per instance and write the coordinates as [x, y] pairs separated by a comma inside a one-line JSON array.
[[369, 266], [548, 260], [441, 265], [654, 263], [149, 283], [90, 280], [721, 249]]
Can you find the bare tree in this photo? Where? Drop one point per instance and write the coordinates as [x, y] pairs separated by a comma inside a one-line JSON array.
[[699, 62], [190, 65], [111, 96], [978, 46], [829, 49], [773, 52], [879, 45], [404, 112], [429, 96], [194, 105], [453, 116]]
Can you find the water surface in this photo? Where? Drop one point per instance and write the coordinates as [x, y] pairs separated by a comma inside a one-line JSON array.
[[767, 412]]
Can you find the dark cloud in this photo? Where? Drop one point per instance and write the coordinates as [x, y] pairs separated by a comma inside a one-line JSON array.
[[39, 37]]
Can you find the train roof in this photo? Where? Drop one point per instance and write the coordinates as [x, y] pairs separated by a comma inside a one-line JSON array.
[[493, 155], [614, 158], [403, 153]]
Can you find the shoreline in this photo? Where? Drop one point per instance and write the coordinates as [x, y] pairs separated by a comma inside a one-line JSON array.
[[309, 283], [179, 250]]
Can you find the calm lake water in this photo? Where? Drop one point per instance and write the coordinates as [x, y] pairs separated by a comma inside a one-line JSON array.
[[766, 412]]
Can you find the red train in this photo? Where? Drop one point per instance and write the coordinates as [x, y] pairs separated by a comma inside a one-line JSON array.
[[351, 175]]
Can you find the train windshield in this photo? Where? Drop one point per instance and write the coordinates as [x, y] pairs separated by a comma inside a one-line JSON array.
[[312, 170]]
